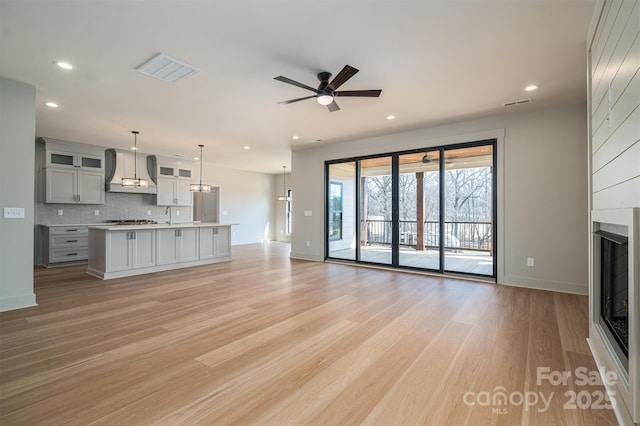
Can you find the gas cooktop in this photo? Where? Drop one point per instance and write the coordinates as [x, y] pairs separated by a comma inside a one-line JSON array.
[[132, 222]]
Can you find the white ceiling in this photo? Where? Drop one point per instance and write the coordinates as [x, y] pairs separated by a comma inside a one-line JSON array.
[[436, 61]]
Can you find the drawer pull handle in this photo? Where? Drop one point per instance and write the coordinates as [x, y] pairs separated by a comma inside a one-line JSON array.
[[72, 230], [72, 241], [72, 254]]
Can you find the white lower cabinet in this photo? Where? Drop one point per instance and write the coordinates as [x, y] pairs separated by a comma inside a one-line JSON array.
[[130, 250], [116, 252], [215, 243], [177, 245]]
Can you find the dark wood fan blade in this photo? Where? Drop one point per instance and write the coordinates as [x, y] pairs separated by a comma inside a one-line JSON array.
[[296, 100], [344, 75], [333, 107], [359, 93], [295, 83]]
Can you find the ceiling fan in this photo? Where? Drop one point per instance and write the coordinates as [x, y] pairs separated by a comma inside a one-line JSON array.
[[327, 91]]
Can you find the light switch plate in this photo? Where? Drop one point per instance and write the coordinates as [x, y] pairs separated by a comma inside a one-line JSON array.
[[308, 213], [14, 213], [96, 212], [60, 212]]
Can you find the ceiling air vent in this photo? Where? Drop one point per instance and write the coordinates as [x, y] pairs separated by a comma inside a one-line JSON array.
[[167, 68], [521, 101]]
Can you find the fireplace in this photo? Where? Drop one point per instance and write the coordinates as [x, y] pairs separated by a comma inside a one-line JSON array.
[[614, 293]]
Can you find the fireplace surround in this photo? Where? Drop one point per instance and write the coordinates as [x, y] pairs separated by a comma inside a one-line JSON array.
[[614, 311]]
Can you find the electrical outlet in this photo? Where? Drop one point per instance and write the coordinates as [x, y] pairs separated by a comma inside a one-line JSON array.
[[148, 212], [530, 262], [96, 212], [178, 213], [60, 212], [308, 243]]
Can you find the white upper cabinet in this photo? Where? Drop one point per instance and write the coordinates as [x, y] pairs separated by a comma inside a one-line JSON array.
[[73, 177], [173, 180]]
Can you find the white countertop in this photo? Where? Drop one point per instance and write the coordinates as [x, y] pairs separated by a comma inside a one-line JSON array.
[[107, 227]]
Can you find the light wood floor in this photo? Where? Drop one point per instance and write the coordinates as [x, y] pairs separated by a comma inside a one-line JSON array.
[[267, 340]]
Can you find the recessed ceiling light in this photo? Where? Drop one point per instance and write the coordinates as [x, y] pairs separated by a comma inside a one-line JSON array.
[[196, 158], [64, 65], [247, 147], [391, 117], [295, 137], [51, 104], [135, 148], [531, 87]]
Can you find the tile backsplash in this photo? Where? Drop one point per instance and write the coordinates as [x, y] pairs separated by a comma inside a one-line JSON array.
[[116, 206]]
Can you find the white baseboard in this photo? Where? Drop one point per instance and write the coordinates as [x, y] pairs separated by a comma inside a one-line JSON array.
[[17, 302]]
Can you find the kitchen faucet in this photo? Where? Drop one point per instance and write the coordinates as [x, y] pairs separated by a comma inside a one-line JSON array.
[[168, 210]]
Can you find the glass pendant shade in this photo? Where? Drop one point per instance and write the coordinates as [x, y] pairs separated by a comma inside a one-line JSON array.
[[200, 187], [135, 181]]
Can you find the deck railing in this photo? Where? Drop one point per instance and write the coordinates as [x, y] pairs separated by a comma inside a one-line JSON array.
[[458, 235]]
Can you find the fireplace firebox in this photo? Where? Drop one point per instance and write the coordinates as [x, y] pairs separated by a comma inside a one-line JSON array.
[[614, 291]]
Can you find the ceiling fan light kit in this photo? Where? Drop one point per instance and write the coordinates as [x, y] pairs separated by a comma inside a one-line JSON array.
[[327, 91]]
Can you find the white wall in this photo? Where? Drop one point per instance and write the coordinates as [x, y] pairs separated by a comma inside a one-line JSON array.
[[542, 190], [279, 213], [246, 198], [17, 150]]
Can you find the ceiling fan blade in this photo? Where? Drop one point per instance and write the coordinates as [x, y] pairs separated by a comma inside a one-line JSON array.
[[296, 100], [295, 83], [359, 93], [333, 107], [344, 75]]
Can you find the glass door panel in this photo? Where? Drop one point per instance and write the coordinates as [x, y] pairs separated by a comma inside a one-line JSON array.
[[419, 210], [468, 210], [376, 226], [341, 214]]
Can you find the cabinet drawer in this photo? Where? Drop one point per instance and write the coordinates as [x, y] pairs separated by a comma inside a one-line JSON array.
[[68, 254], [68, 230], [71, 240]]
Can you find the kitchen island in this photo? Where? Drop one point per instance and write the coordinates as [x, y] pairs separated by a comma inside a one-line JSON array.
[[117, 251]]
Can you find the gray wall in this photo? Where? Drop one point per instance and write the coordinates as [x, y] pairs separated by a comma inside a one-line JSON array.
[[17, 133], [542, 190]]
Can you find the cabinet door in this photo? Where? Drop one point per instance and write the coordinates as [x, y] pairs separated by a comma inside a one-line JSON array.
[[167, 246], [189, 245], [166, 192], [91, 162], [222, 242], [90, 187], [61, 185], [119, 256], [144, 249], [61, 159], [183, 193], [206, 243]]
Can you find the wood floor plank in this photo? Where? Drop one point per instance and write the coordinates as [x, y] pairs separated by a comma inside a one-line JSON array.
[[264, 339]]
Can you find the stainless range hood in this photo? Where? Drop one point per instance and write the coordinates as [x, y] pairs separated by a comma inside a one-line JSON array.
[[119, 163]]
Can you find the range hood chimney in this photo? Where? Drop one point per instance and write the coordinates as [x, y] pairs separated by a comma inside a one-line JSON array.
[[119, 163]]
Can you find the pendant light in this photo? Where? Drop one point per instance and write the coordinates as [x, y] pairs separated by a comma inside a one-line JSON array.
[[200, 187], [284, 197], [135, 182]]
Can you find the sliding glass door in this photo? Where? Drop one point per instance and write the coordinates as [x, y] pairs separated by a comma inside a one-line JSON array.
[[376, 211], [468, 207], [419, 210], [431, 209]]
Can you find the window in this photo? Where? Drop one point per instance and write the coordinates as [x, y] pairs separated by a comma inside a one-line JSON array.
[[335, 211], [289, 212]]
